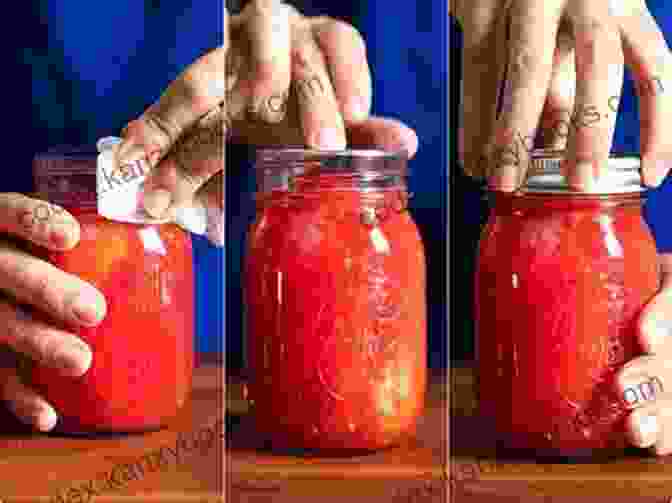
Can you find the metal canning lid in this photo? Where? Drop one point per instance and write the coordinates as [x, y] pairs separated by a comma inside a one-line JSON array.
[[276, 167], [622, 175], [332, 161]]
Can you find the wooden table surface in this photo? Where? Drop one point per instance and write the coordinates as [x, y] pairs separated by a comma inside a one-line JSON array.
[[412, 473], [182, 463], [478, 475]]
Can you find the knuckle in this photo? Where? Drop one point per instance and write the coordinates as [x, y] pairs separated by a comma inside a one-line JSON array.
[[200, 81], [525, 61], [595, 33], [27, 220], [39, 345], [302, 51], [264, 75], [166, 132], [36, 288], [208, 75], [335, 33], [193, 179], [40, 292], [26, 340]]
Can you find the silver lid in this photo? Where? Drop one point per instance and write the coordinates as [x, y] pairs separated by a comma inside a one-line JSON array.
[[622, 175], [371, 169], [332, 161]]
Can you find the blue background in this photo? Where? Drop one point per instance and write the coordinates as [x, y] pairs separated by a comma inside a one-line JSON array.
[[74, 71]]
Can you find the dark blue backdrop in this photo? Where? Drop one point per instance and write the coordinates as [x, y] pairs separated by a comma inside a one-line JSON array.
[[74, 71]]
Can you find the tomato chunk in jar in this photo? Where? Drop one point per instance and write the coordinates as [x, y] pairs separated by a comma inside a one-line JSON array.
[[561, 280], [335, 298]]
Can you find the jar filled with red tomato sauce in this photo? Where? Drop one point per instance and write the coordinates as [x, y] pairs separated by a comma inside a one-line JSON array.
[[561, 279], [141, 372], [335, 302]]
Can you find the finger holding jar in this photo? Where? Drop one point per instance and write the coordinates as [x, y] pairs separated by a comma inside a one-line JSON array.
[[29, 281], [645, 382]]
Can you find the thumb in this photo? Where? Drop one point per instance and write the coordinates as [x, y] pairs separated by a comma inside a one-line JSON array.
[[382, 133], [656, 318]]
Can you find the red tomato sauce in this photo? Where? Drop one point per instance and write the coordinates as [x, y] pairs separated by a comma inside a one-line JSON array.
[[336, 317], [143, 353], [560, 284]]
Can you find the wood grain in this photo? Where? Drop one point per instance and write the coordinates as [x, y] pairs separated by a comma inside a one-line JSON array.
[[413, 472], [477, 471]]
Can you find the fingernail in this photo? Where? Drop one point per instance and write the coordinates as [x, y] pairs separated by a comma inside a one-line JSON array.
[[59, 238], [216, 235], [73, 359], [405, 148], [654, 171], [45, 419], [356, 109], [655, 330], [215, 230], [329, 139], [156, 202], [89, 306], [193, 218], [583, 178], [128, 151], [266, 4], [646, 431]]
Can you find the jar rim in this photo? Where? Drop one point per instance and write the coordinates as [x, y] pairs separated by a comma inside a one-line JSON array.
[[348, 169], [295, 153], [66, 175], [622, 176], [362, 163]]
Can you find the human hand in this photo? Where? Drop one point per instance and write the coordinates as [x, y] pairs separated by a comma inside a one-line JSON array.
[[64, 298], [288, 80], [645, 382], [299, 81], [565, 75]]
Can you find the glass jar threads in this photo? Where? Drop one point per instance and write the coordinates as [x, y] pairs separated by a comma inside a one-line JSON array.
[[335, 301], [561, 279]]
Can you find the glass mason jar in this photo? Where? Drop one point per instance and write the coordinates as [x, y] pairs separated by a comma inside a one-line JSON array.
[[141, 372], [561, 279], [335, 302]]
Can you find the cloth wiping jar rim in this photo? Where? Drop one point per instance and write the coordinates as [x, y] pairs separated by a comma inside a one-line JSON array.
[[119, 192]]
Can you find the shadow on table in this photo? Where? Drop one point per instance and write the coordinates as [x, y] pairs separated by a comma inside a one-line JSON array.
[[471, 437], [241, 436]]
